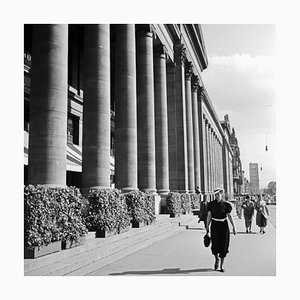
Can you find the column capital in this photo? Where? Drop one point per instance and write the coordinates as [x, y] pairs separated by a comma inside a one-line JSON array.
[[179, 53], [195, 82], [189, 68]]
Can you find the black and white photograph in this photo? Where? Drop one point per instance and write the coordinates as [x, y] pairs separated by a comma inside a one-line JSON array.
[[150, 152]]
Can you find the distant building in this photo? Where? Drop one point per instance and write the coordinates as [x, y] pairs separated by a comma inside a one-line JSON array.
[[246, 186], [254, 178], [236, 164]]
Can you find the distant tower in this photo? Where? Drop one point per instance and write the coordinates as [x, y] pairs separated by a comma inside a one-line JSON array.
[[254, 178]]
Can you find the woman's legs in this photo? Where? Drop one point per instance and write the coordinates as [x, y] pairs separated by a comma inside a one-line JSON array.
[[222, 263], [216, 262]]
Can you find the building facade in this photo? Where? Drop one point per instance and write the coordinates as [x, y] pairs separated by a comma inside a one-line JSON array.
[[121, 106], [254, 178], [236, 164]]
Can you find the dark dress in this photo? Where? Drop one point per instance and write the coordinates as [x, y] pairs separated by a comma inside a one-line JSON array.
[[203, 211], [219, 229]]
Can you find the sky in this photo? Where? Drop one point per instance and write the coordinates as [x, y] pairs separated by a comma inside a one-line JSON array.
[[240, 81]]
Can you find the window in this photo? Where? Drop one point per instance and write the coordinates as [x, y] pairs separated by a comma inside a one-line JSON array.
[[73, 129]]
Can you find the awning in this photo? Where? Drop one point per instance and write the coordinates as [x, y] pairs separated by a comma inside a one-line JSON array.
[[74, 156]]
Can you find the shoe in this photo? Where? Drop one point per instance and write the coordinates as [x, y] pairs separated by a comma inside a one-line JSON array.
[[222, 270], [199, 221], [216, 264], [247, 231], [263, 232]]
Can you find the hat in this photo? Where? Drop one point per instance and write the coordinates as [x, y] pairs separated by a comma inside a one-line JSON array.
[[218, 190]]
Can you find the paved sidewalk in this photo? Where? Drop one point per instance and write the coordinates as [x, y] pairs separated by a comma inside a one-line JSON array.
[[184, 254]]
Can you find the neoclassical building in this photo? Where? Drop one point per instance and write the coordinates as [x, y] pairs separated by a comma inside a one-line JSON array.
[[121, 106]]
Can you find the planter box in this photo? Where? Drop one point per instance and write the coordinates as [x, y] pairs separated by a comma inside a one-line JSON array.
[[151, 222], [68, 244], [136, 224], [172, 215], [105, 233], [44, 250], [122, 230]]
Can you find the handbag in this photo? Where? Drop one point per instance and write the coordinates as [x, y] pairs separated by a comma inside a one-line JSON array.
[[206, 240]]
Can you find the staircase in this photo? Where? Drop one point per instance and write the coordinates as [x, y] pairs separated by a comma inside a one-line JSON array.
[[98, 252]]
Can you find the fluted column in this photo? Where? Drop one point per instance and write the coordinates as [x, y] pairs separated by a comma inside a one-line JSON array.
[[173, 176], [125, 103], [207, 158], [96, 108], [145, 105], [195, 85], [214, 165], [189, 125], [202, 145], [210, 159], [181, 131], [161, 122], [48, 106]]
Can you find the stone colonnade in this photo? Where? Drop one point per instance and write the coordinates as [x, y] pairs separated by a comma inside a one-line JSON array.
[[162, 142], [213, 152]]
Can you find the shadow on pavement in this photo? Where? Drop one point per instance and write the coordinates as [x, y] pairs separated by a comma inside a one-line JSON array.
[[195, 228], [243, 232], [164, 271]]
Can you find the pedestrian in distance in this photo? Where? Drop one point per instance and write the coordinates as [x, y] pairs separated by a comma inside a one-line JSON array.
[[238, 206], [248, 209], [203, 211], [262, 213], [219, 212]]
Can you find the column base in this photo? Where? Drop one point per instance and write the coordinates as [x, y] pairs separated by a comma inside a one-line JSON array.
[[126, 190], [191, 191], [151, 191], [157, 204]]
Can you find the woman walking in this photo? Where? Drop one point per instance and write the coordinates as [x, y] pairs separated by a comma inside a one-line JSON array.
[[248, 207], [218, 213], [262, 213]]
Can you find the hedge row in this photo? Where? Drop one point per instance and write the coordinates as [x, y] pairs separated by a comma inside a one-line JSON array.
[[182, 203], [52, 214]]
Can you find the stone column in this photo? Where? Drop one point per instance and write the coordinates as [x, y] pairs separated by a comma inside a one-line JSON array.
[[161, 122], [189, 126], [202, 145], [214, 165], [125, 103], [206, 158], [181, 131], [195, 85], [48, 106], [210, 160], [173, 176], [145, 106], [96, 108]]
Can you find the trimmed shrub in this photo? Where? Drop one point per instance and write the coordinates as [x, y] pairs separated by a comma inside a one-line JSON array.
[[70, 220], [186, 203], [51, 214], [150, 207], [107, 210], [195, 201], [174, 204], [136, 204]]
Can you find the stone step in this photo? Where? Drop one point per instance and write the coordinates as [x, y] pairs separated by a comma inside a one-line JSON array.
[[68, 261], [91, 243], [73, 263]]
